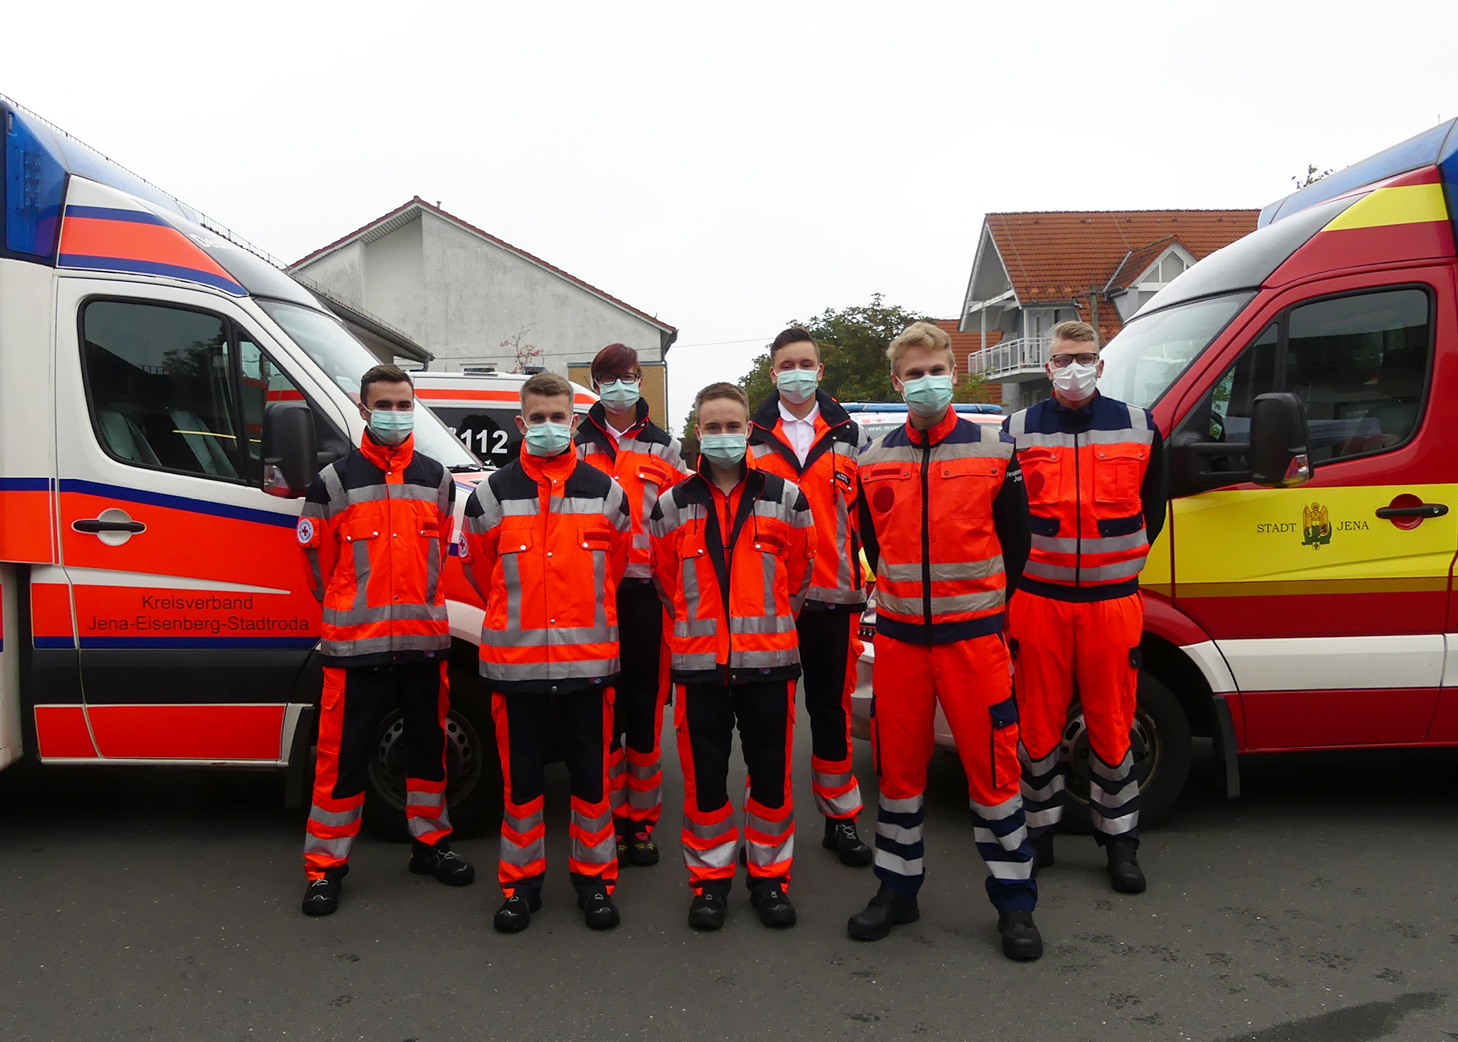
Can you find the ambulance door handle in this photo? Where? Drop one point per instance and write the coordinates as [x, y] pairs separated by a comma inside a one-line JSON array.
[[113, 526], [1421, 510]]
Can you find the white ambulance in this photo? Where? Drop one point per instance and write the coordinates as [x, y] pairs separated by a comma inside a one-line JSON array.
[[481, 409]]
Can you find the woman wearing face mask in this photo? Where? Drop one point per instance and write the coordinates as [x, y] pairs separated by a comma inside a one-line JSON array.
[[1096, 492], [619, 439]]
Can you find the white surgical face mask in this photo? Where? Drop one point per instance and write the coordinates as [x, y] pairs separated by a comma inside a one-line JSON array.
[[796, 386], [1076, 382]]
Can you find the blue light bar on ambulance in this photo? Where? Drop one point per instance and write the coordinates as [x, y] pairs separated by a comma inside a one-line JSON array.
[[901, 407]]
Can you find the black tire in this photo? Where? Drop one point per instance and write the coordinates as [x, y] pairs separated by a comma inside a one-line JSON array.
[[473, 769], [1162, 756]]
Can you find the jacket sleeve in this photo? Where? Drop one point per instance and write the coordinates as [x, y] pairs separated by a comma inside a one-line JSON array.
[[800, 551], [867, 529], [318, 533], [1010, 521], [1154, 492], [674, 456], [663, 551], [620, 521], [483, 535], [445, 506]]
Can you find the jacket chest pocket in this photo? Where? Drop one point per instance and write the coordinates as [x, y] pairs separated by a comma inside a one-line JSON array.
[[769, 543], [1118, 473], [885, 484], [843, 480], [594, 540], [1042, 474], [969, 485], [654, 482]]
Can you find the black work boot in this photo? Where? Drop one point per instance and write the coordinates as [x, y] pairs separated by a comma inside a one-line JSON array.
[[706, 912], [642, 851], [621, 828], [1124, 870], [1043, 851], [841, 837], [887, 909], [773, 906], [443, 863], [1020, 937], [600, 911], [515, 913], [321, 897]]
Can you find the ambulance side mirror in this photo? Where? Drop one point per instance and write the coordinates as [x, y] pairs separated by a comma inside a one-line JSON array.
[[1278, 441], [290, 449]]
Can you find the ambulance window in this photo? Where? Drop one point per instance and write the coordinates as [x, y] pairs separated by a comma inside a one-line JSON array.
[[490, 433], [1360, 364], [160, 383], [1230, 402], [261, 382]]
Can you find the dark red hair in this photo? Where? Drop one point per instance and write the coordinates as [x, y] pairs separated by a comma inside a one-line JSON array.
[[614, 361]]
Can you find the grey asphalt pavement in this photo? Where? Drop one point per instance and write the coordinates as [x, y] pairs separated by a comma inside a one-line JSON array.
[[1322, 906]]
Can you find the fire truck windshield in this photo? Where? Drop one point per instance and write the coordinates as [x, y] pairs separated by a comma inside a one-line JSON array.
[[1154, 350], [345, 360]]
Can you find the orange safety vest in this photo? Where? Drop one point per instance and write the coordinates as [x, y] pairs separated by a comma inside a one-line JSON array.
[[828, 479], [375, 531], [1087, 519], [732, 572], [940, 575], [645, 461], [546, 544]]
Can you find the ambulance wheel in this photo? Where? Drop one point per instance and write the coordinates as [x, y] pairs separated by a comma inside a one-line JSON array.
[[1162, 749], [473, 776]]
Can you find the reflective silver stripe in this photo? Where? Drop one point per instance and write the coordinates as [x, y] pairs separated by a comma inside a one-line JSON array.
[[1115, 773], [575, 505], [1091, 544], [910, 805], [897, 834], [695, 628], [965, 602], [764, 825], [641, 541], [644, 772], [1103, 573], [523, 855], [1042, 766], [1116, 826], [1047, 792], [720, 855], [1017, 423], [1036, 819], [767, 854], [335, 847], [722, 831], [762, 623], [764, 659], [1114, 800], [421, 825], [638, 570], [759, 450], [316, 577], [650, 496], [425, 493], [900, 865], [602, 852], [511, 580], [645, 799], [769, 566], [694, 663], [1061, 440], [1009, 869], [843, 577], [585, 669], [335, 817], [1011, 841], [842, 806], [421, 798], [553, 636], [388, 613], [835, 595], [1138, 419], [593, 824], [334, 486], [520, 507], [523, 825], [911, 454], [377, 645], [432, 567], [689, 583], [997, 811], [946, 571], [361, 573], [491, 512], [830, 781]]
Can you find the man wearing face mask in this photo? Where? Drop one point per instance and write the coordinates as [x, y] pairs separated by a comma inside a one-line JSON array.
[[375, 529], [620, 440], [546, 544], [803, 435], [732, 558], [945, 522], [1095, 476]]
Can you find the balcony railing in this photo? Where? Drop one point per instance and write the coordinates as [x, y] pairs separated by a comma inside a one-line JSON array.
[[1024, 357]]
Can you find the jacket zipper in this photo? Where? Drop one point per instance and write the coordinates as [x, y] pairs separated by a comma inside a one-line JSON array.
[[926, 535], [729, 576], [1077, 518]]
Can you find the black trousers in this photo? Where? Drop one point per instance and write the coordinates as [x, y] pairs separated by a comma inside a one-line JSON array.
[[830, 678]]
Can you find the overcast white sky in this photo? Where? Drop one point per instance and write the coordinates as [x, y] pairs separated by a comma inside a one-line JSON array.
[[729, 167]]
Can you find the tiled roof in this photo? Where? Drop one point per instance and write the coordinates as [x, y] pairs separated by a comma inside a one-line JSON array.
[[964, 344], [1057, 256], [418, 203]]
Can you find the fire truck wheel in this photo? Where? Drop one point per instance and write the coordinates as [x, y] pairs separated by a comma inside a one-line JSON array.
[[1162, 754], [473, 773]]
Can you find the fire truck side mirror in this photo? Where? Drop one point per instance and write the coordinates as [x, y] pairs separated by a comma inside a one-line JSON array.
[[1278, 441], [290, 449]]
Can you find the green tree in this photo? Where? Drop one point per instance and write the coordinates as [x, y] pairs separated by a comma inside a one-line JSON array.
[[1311, 176]]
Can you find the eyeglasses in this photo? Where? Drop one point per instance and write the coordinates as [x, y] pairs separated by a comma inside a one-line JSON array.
[[1061, 361]]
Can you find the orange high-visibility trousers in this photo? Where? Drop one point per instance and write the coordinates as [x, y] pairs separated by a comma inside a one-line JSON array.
[[1094, 644], [971, 681]]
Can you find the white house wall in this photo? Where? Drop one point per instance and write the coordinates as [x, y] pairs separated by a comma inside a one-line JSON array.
[[341, 272], [394, 268]]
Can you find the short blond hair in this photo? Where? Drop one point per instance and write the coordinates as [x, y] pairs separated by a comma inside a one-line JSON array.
[[920, 334], [545, 385], [732, 392], [1077, 332]]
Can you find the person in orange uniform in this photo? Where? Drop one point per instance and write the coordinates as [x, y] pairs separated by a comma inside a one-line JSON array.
[[945, 523], [803, 435], [620, 440], [375, 529], [732, 557], [1096, 488], [546, 544]]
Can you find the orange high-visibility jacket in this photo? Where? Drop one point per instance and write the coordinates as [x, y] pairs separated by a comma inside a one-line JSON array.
[[945, 523], [375, 531], [732, 572], [1096, 493], [828, 479], [546, 544], [645, 461]]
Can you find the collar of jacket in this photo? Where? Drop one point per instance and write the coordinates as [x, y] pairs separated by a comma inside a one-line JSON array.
[[700, 486], [387, 457], [540, 470], [596, 428], [932, 434], [765, 424], [1079, 418]]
